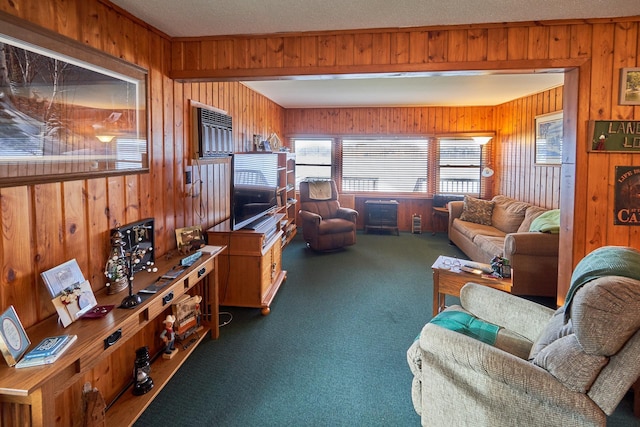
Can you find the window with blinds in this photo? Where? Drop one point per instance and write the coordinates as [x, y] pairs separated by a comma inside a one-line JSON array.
[[384, 165], [459, 166], [313, 159]]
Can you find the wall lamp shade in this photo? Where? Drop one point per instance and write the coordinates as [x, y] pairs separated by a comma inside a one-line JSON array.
[[105, 138], [482, 140], [487, 172]]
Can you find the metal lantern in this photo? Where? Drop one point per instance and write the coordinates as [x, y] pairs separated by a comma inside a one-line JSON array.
[[142, 382]]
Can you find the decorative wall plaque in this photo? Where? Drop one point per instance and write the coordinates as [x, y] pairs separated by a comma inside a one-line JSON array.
[[627, 195], [614, 136]]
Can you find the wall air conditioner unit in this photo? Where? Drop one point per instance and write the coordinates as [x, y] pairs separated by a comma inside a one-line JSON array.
[[212, 132]]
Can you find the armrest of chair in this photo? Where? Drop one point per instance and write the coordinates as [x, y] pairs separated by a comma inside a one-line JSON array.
[[470, 362], [310, 217], [519, 315], [531, 243], [347, 213]]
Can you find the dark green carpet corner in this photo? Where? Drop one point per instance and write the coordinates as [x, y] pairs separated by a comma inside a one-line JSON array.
[[331, 353]]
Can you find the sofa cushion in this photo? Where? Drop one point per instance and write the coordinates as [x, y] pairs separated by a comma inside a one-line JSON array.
[[532, 213], [493, 245], [470, 229], [508, 214], [477, 210]]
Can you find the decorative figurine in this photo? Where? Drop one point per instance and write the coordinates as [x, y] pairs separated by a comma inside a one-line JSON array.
[[169, 337], [115, 270], [196, 309], [142, 382], [122, 264]]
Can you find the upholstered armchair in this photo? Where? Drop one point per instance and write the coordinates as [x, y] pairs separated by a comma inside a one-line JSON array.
[[325, 224], [570, 367]]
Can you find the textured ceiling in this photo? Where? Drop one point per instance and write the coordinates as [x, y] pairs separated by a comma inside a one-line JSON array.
[[188, 18], [193, 18]]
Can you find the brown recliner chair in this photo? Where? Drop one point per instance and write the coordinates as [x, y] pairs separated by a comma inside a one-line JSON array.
[[325, 224]]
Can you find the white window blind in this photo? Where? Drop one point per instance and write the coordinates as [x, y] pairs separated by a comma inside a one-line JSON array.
[[385, 165], [459, 166], [313, 159]]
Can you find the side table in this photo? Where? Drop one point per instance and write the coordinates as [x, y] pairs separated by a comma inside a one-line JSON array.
[[439, 215], [448, 280]]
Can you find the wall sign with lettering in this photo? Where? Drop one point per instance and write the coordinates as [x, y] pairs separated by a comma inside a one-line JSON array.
[[614, 136], [627, 195]]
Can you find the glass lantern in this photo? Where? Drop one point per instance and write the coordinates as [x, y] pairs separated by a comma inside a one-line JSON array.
[[142, 382]]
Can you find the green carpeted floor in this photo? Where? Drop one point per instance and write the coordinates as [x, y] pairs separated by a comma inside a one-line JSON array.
[[331, 353]]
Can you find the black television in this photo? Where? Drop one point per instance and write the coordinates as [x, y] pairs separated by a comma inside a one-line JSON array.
[[255, 188]]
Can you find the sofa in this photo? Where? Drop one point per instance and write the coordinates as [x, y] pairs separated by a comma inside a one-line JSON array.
[[514, 230]]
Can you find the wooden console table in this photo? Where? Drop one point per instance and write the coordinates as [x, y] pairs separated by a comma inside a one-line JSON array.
[[105, 350]]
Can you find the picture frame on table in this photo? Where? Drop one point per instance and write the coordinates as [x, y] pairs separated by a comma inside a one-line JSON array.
[[629, 86], [14, 341], [548, 143], [74, 302], [189, 239], [62, 277]]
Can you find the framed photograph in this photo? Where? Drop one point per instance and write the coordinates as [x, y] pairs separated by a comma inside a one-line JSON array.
[[62, 277], [630, 86], [73, 302], [69, 111], [189, 239], [549, 139], [13, 338]]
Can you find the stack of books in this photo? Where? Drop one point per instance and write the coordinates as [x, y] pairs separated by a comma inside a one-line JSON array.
[[48, 351]]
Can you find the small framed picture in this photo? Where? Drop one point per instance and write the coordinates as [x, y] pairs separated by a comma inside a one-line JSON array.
[[13, 338], [74, 302], [189, 239], [549, 139], [630, 86], [62, 277]]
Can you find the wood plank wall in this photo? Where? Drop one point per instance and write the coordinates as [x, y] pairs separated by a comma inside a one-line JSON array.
[[593, 50], [45, 225], [517, 175]]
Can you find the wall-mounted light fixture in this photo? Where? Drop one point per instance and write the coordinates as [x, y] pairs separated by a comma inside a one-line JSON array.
[[482, 140], [105, 138], [486, 172]]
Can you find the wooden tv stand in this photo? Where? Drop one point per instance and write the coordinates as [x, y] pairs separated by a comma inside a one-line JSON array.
[[251, 268], [32, 396]]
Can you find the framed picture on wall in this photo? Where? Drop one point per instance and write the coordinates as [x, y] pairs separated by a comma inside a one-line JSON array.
[[548, 144], [630, 86]]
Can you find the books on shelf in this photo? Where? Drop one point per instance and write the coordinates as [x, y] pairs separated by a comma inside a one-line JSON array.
[[48, 351]]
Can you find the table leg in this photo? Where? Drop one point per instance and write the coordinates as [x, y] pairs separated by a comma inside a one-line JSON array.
[[437, 305]]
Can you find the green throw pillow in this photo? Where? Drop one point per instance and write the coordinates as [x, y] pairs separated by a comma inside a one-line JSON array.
[[548, 222], [477, 210]]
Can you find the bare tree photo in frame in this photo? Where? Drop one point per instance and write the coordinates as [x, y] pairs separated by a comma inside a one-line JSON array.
[[630, 86], [69, 111], [549, 139]]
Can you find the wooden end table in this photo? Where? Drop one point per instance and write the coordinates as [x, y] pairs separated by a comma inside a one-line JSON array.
[[448, 280]]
